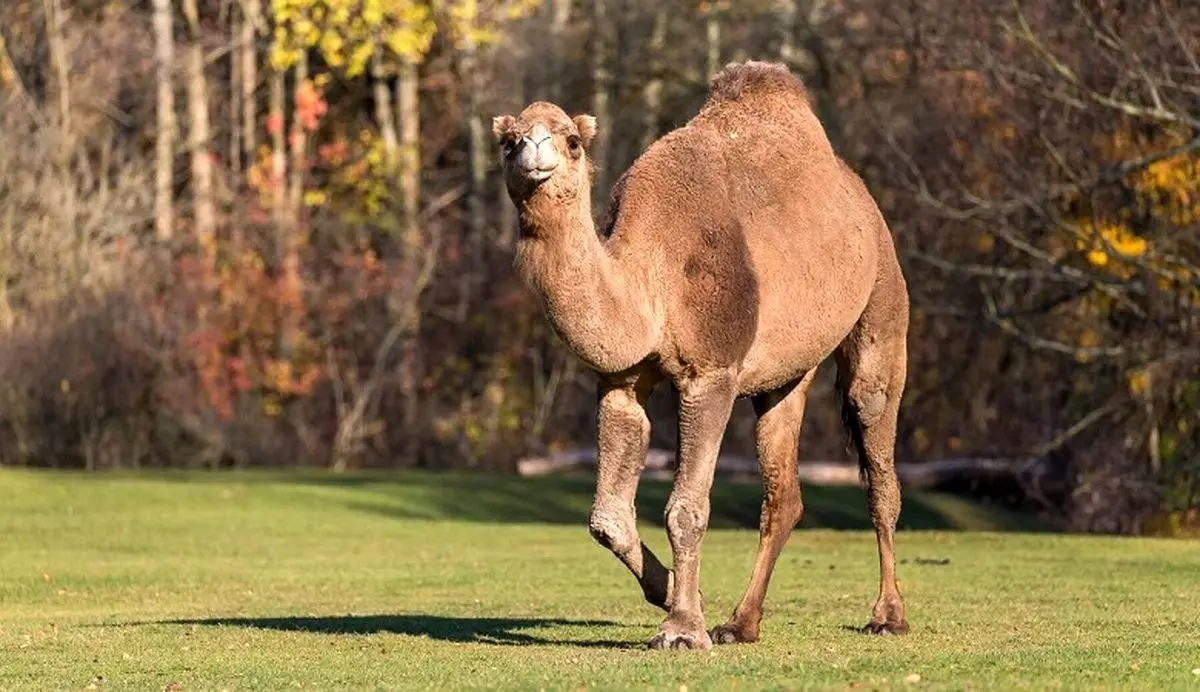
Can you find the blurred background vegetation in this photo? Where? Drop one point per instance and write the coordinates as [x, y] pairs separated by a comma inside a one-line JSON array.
[[237, 233]]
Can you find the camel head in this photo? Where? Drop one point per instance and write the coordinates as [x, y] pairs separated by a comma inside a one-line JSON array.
[[545, 150]]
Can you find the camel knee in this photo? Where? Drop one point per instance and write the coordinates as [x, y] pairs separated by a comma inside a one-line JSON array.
[[687, 520], [791, 511], [870, 412], [614, 529], [870, 402], [797, 513], [871, 380]]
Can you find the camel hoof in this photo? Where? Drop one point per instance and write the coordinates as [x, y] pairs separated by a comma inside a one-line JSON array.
[[680, 640], [732, 634], [886, 627]]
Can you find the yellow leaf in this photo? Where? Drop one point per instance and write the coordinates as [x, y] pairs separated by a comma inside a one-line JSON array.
[[1097, 257], [1139, 381]]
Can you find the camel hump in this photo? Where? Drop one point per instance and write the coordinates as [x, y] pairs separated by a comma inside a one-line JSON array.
[[738, 81]]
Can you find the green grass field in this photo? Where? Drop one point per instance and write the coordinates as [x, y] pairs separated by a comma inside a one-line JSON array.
[[424, 581]]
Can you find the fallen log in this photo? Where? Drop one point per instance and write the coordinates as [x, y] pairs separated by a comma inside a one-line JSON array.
[[1028, 477]]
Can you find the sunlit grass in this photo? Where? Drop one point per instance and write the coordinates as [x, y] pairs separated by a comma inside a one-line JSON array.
[[443, 582]]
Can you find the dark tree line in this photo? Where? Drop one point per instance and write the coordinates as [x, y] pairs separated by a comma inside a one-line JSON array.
[[236, 233]]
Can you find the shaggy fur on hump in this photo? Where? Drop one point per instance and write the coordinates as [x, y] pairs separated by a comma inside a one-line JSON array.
[[752, 78]]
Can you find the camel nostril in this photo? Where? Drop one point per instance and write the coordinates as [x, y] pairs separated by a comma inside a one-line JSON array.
[[539, 134], [534, 159]]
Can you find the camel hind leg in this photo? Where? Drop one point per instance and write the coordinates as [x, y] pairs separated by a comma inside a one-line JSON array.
[[871, 372], [780, 415]]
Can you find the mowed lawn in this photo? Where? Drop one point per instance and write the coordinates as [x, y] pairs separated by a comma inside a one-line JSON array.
[[428, 581]]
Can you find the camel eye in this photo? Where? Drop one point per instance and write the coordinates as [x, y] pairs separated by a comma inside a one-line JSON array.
[[573, 144]]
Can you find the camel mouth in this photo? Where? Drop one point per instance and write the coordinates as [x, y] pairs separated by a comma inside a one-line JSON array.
[[536, 174]]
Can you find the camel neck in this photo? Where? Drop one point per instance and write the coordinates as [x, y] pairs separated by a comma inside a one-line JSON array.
[[595, 303], [553, 217]]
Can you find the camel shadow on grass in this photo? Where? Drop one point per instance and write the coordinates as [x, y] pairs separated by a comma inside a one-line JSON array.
[[479, 630]]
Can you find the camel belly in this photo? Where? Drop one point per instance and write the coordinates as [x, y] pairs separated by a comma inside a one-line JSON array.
[[811, 294]]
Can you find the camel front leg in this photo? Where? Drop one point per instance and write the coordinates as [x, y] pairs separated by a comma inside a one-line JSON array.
[[624, 436], [704, 407]]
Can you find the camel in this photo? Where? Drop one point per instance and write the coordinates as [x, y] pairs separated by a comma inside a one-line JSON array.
[[736, 255]]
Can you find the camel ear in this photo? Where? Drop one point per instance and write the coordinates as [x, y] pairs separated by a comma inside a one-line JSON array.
[[502, 126], [586, 124]]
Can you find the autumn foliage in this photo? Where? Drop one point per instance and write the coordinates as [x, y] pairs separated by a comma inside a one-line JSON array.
[[355, 306]]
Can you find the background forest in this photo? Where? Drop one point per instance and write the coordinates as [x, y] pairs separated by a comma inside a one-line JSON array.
[[237, 233]]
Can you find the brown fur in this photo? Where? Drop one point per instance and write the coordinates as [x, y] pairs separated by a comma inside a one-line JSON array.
[[737, 254], [753, 80]]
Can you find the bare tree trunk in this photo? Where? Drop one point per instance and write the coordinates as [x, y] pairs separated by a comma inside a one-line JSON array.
[[62, 78], [383, 109], [59, 65], [250, 79], [787, 13], [561, 15], [278, 128], [408, 113], [235, 98], [277, 122], [1153, 436], [652, 92], [292, 226], [601, 78], [299, 143], [164, 144], [199, 130], [105, 164], [811, 57], [477, 148], [712, 25], [406, 308]]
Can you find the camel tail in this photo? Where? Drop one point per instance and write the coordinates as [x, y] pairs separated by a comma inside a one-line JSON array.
[[852, 423]]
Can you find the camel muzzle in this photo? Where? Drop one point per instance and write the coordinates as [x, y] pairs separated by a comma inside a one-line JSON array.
[[537, 157]]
